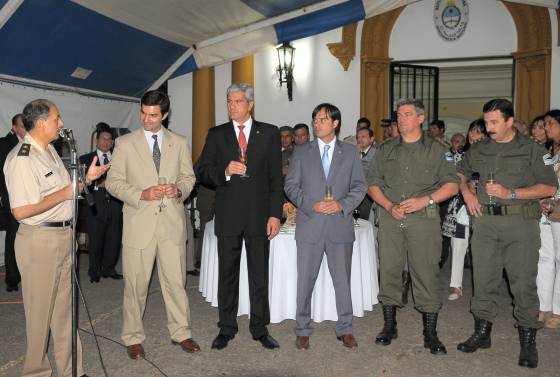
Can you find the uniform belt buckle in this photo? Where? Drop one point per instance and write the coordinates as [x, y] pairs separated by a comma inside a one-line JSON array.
[[496, 209]]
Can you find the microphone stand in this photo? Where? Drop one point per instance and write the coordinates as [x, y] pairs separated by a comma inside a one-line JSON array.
[[77, 174]]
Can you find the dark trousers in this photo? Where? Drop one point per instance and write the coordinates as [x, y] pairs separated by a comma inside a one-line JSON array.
[[104, 238], [229, 257], [12, 273]]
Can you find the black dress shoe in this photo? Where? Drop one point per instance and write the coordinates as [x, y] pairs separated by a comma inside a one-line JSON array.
[[114, 276], [268, 342], [12, 288], [221, 341], [94, 280]]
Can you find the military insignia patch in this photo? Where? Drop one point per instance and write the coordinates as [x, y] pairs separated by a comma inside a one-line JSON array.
[[24, 150]]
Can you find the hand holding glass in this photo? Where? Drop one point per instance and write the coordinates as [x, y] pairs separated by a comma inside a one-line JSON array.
[[162, 182], [243, 160], [490, 181]]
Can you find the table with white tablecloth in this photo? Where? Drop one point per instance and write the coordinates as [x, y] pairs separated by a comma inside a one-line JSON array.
[[283, 277]]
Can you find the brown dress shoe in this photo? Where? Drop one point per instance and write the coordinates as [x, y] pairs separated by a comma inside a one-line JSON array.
[[188, 345], [302, 342], [348, 340], [135, 351]]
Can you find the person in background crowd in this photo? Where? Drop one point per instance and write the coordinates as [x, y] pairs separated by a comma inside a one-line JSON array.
[[7, 143], [390, 127], [457, 143], [104, 218], [365, 139], [456, 222], [521, 127], [152, 174], [325, 226], [248, 209], [436, 129], [362, 123], [301, 134], [41, 199], [537, 130], [287, 142], [407, 177], [505, 226], [548, 276]]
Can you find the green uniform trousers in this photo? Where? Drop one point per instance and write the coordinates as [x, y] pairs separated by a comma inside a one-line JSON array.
[[419, 238], [513, 243]]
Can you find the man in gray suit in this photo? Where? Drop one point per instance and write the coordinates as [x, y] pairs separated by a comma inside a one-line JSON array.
[[324, 222]]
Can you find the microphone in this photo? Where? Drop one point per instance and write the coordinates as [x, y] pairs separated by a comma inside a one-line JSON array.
[[66, 134]]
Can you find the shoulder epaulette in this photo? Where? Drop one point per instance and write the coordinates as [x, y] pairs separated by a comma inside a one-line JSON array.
[[24, 150]]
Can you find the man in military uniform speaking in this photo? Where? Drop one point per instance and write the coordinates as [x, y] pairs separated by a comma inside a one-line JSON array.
[[505, 225], [407, 177], [40, 196]]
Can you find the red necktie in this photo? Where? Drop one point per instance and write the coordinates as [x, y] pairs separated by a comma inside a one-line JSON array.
[[242, 139]]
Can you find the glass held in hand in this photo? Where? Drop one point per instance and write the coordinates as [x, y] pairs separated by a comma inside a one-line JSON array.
[[490, 180], [356, 215], [162, 183], [547, 206], [403, 198], [243, 160], [328, 194]]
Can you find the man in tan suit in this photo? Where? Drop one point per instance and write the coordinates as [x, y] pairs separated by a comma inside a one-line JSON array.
[[154, 223]]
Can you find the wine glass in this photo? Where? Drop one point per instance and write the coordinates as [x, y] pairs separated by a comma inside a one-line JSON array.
[[490, 180], [403, 198], [356, 215], [548, 205], [243, 160], [328, 194], [162, 182]]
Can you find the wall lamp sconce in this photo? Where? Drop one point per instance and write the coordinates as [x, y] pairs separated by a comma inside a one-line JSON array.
[[286, 66]]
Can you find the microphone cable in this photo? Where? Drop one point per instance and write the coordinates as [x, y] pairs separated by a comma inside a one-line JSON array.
[[95, 335]]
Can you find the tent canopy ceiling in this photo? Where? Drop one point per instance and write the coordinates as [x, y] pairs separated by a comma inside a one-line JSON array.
[[132, 45]]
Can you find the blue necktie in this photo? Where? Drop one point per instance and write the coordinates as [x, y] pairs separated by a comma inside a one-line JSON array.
[[325, 160]]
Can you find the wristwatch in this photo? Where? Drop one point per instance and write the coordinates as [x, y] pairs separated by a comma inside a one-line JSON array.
[[513, 195], [431, 200]]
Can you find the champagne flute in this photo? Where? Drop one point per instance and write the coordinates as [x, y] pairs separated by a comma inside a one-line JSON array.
[[243, 160], [490, 180], [162, 182], [356, 215], [548, 207], [328, 194], [403, 198]]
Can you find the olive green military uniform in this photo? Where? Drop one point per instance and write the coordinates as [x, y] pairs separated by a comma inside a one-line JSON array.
[[43, 256], [406, 170], [507, 234]]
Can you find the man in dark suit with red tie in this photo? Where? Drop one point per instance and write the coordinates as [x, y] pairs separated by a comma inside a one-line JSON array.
[[104, 218], [248, 208], [7, 143]]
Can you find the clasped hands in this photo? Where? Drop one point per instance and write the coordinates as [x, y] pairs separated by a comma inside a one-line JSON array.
[[157, 193], [327, 208], [411, 205]]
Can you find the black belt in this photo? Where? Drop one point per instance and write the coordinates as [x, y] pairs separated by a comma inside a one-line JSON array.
[[502, 209], [57, 224]]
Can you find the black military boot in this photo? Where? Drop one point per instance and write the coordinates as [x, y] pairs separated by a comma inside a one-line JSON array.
[[528, 355], [480, 338], [431, 340], [405, 286], [389, 331]]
